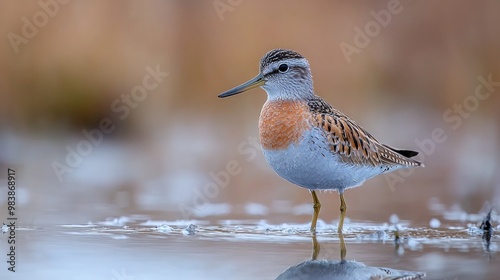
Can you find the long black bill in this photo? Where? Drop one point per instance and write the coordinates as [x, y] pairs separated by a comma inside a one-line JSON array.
[[255, 82]]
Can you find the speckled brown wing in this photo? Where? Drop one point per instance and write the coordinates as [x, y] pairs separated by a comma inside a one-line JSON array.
[[351, 142]]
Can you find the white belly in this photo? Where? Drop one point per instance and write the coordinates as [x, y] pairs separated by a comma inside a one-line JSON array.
[[310, 164]]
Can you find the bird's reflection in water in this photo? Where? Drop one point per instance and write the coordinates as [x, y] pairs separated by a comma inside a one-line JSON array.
[[342, 269]]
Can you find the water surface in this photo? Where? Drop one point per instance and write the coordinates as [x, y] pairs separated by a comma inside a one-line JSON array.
[[138, 247]]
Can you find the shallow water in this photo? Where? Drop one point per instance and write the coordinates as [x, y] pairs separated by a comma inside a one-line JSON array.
[[138, 247], [129, 225]]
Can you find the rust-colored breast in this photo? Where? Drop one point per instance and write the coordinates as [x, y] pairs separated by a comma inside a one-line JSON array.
[[282, 123]]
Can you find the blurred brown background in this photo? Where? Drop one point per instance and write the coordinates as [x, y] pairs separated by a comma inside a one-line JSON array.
[[65, 66]]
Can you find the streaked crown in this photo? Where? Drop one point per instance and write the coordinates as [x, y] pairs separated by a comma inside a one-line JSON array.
[[284, 75], [287, 75], [277, 55]]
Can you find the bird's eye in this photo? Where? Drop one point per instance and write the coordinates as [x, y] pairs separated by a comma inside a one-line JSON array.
[[283, 68]]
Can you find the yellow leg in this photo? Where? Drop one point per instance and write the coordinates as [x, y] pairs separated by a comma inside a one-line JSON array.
[[316, 207], [343, 209], [343, 249], [316, 248]]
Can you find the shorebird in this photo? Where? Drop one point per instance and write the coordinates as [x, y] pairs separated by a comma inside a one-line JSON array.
[[308, 142]]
